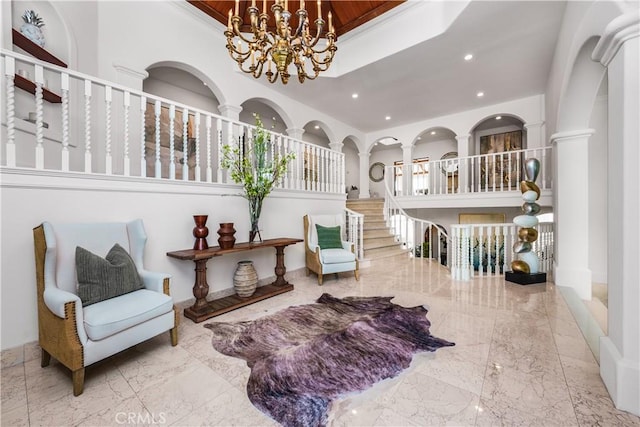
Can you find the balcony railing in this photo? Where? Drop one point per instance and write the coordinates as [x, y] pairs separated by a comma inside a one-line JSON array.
[[99, 127], [487, 173], [486, 249]]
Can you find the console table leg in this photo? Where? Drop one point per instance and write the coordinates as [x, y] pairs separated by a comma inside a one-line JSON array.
[[201, 287], [280, 269]]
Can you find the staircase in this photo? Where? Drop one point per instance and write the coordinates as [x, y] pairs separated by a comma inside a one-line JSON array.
[[378, 240]]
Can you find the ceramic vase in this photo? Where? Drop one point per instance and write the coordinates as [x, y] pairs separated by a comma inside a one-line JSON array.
[[245, 279], [200, 232], [226, 233]]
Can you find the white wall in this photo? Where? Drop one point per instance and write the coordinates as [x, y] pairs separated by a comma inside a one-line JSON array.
[[387, 156], [351, 165], [598, 191], [166, 209]]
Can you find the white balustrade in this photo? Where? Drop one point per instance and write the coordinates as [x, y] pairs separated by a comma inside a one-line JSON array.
[[486, 249], [354, 231], [148, 136], [495, 172]]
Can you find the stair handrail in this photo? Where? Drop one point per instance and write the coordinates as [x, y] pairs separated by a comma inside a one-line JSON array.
[[355, 231], [390, 203]]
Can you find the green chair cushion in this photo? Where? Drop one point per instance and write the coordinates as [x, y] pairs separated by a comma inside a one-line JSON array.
[[329, 237]]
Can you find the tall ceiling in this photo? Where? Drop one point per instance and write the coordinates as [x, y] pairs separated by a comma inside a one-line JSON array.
[[512, 43], [347, 15]]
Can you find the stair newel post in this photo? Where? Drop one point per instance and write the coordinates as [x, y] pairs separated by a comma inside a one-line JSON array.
[[64, 83]]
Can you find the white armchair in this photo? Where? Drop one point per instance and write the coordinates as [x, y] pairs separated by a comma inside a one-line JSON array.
[[327, 261], [79, 336]]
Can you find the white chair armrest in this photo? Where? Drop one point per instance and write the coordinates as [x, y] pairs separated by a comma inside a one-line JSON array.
[[314, 248], [56, 298], [152, 280], [347, 246]]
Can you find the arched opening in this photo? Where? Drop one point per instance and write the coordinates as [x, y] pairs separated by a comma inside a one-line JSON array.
[[271, 118], [385, 158], [315, 133]]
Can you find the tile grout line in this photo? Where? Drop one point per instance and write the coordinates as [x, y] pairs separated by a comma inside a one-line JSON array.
[[486, 368]]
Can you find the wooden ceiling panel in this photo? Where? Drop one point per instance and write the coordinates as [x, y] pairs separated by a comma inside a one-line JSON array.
[[347, 15]]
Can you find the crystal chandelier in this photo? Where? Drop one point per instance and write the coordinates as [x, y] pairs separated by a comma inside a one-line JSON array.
[[276, 50]]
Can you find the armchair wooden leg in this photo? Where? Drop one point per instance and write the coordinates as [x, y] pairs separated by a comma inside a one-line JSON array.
[[174, 336], [78, 381], [357, 274], [308, 272], [320, 279], [45, 358]]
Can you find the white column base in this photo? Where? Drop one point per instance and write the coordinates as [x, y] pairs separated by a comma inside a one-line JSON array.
[[621, 376], [577, 279]]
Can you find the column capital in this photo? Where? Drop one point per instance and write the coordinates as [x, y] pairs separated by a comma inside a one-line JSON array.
[[336, 146], [295, 133], [230, 111], [571, 135], [364, 155], [533, 125], [406, 147], [463, 138], [618, 31]]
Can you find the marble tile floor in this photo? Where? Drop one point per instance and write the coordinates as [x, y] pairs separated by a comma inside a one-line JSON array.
[[519, 359]]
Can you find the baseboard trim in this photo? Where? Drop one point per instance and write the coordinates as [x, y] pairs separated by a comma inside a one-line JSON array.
[[620, 376]]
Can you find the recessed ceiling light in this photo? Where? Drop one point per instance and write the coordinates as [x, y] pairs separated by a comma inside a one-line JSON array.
[[205, 83], [468, 57], [480, 94], [354, 95], [388, 118], [317, 127], [498, 117], [419, 138], [433, 132]]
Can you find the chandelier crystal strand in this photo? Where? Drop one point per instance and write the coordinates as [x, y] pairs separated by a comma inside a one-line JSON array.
[[275, 51]]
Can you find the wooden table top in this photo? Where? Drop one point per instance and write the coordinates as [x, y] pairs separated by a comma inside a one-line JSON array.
[[212, 251]]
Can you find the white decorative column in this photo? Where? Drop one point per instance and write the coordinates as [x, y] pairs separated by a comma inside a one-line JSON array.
[[619, 51], [230, 111], [364, 175], [407, 170], [336, 146], [535, 135], [571, 208], [464, 151]]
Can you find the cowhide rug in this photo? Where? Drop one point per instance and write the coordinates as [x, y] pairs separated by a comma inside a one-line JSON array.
[[304, 357]]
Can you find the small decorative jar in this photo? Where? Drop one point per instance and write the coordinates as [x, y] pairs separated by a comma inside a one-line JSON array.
[[245, 279], [200, 232], [226, 233]]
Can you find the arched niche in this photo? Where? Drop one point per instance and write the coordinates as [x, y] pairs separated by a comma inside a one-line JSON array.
[[273, 116], [497, 133]]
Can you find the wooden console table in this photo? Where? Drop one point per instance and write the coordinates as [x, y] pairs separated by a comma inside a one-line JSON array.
[[203, 309]]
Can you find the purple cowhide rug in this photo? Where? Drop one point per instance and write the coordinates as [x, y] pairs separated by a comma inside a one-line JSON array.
[[304, 357]]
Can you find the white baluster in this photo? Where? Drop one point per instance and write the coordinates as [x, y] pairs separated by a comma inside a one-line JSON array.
[[172, 142], [126, 159], [323, 171], [231, 140], [143, 158], [39, 117], [185, 145], [209, 168], [280, 182], [158, 165], [299, 165], [107, 140], [197, 142], [64, 82], [10, 72], [87, 126], [219, 145]]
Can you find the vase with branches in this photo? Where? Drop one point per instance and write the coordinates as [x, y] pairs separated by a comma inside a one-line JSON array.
[[258, 167]]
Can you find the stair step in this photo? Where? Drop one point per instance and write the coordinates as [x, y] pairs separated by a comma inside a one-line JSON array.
[[375, 225], [373, 217], [379, 242], [385, 252], [376, 232]]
